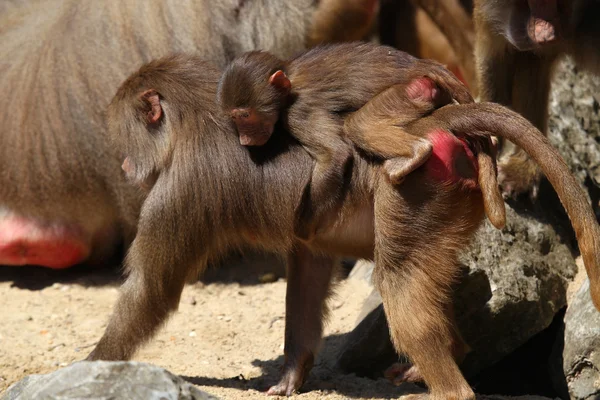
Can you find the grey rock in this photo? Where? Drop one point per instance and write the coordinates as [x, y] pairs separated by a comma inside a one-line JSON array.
[[514, 282], [581, 346], [574, 124], [368, 349], [574, 128], [101, 380]]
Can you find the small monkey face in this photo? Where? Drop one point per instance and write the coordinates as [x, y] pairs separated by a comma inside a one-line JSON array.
[[254, 128]]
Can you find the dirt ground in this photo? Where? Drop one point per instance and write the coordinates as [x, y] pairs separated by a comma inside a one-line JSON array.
[[227, 336]]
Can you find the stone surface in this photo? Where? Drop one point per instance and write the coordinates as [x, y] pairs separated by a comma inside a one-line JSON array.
[[581, 346], [102, 380], [574, 124]]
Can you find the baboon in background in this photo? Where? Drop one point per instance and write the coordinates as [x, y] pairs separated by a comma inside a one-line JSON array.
[[510, 48], [437, 29], [63, 199], [518, 44], [211, 195]]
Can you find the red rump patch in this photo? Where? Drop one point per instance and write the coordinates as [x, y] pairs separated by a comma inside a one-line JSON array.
[[452, 160], [24, 241]]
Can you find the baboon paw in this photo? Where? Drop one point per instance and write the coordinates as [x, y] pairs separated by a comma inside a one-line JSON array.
[[518, 175], [399, 373], [396, 173], [288, 385]]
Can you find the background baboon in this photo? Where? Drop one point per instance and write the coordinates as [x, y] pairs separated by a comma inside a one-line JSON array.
[[63, 198], [213, 195]]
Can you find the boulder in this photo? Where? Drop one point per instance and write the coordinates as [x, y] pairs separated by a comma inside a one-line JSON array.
[[106, 380], [577, 351], [574, 123]]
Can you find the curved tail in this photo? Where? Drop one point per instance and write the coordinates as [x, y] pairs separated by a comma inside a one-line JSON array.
[[493, 203], [468, 119]]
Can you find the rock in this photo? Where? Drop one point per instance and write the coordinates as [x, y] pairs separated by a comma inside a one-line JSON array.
[[368, 349], [267, 278], [106, 380], [574, 124], [574, 128], [578, 351], [510, 291], [362, 270], [528, 269]]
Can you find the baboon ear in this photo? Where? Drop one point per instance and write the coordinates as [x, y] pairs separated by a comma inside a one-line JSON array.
[[280, 81], [152, 99]]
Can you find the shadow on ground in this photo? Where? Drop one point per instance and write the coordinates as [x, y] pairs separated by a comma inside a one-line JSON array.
[[325, 377], [38, 278]]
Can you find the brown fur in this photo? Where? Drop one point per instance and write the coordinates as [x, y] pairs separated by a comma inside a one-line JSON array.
[[456, 24], [326, 83], [441, 30], [342, 21], [214, 195], [66, 61], [492, 118], [516, 72], [379, 122]]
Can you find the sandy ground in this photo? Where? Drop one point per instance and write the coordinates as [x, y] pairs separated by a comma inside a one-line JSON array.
[[227, 336]]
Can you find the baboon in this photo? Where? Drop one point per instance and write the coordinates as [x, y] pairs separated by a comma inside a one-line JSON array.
[[212, 195]]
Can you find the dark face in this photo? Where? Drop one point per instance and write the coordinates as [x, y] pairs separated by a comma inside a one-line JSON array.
[[253, 91], [254, 127]]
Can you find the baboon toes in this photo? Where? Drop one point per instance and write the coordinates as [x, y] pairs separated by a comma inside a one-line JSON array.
[[403, 372], [517, 175], [290, 382]]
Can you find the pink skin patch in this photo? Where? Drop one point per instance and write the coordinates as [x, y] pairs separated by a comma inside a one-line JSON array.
[[452, 160], [541, 31], [541, 26], [422, 89], [25, 241]]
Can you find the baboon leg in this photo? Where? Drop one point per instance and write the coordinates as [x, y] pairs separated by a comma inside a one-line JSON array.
[[147, 298], [518, 173], [399, 373], [415, 267], [309, 278]]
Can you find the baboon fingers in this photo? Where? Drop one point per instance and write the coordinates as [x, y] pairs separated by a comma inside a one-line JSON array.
[[397, 168]]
